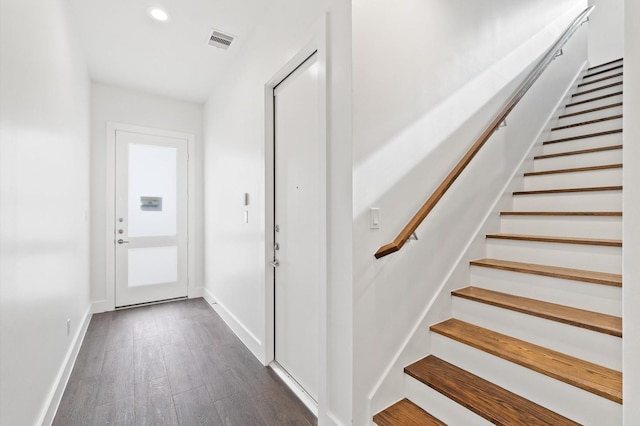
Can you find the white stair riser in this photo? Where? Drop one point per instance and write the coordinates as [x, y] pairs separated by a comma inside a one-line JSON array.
[[591, 104], [593, 81], [613, 69], [590, 115], [600, 126], [601, 298], [599, 89], [613, 156], [592, 346], [439, 406], [585, 143], [567, 400], [578, 256], [609, 227], [597, 201], [591, 178]]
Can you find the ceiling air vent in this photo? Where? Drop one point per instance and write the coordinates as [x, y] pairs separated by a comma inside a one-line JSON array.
[[220, 39]]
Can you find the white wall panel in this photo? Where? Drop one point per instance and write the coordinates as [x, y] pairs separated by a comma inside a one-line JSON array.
[[606, 31], [44, 206]]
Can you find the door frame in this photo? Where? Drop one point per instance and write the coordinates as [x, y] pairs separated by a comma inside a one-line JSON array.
[[110, 216], [317, 45]]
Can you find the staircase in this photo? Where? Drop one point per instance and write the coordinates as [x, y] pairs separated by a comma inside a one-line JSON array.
[[537, 338]]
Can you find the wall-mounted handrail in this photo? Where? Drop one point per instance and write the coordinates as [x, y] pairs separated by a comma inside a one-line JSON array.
[[417, 219]]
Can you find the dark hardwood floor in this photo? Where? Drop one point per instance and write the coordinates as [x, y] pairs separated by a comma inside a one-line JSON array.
[[172, 364]]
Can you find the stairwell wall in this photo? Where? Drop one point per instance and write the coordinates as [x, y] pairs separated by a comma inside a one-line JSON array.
[[606, 31], [442, 69]]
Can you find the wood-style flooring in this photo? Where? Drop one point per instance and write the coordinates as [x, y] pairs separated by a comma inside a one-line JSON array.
[[172, 364]]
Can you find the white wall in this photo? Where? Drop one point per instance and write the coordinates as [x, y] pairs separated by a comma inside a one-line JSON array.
[[235, 263], [631, 215], [606, 31], [427, 77], [44, 205], [110, 103]]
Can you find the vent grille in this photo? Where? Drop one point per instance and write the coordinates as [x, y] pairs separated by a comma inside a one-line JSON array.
[[220, 39]]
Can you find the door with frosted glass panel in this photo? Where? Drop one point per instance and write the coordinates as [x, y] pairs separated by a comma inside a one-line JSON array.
[[150, 232]]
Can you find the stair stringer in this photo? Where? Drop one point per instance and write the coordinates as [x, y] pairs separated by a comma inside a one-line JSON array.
[[390, 386]]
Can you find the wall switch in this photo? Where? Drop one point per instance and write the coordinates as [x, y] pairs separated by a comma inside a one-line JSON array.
[[68, 326], [374, 218]]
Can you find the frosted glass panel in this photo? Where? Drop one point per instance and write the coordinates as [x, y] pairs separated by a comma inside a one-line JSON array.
[[152, 191], [154, 265]]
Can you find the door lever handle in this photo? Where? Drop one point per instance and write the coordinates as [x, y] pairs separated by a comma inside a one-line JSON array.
[[121, 241], [275, 263]]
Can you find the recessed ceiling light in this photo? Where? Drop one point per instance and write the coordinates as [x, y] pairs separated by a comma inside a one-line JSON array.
[[158, 14]]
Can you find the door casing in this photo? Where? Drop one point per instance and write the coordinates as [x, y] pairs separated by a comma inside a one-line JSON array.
[[110, 214]]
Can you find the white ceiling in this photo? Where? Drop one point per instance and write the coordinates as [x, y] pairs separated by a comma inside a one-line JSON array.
[[126, 48]]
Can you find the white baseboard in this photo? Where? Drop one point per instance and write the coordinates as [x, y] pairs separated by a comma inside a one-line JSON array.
[[57, 390], [100, 306], [196, 292], [244, 334], [336, 422]]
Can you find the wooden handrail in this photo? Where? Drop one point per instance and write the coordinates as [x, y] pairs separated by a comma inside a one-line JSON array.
[[417, 219]]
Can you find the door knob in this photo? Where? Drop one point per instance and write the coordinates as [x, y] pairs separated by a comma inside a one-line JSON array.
[[121, 241]]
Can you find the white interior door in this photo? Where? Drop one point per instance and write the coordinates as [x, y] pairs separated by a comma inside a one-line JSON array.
[[150, 229], [297, 219]]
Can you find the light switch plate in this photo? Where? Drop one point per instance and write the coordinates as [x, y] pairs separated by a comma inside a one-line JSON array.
[[374, 218]]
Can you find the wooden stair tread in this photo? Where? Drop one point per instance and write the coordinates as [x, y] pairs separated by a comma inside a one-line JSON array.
[[524, 213], [590, 377], [575, 170], [561, 240], [494, 403], [598, 80], [594, 277], [595, 321], [617, 67], [586, 123], [578, 152], [597, 98], [563, 190], [405, 413], [586, 111], [585, 136], [595, 89]]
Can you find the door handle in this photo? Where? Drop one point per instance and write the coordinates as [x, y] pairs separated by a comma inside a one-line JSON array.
[[275, 263], [121, 241]]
